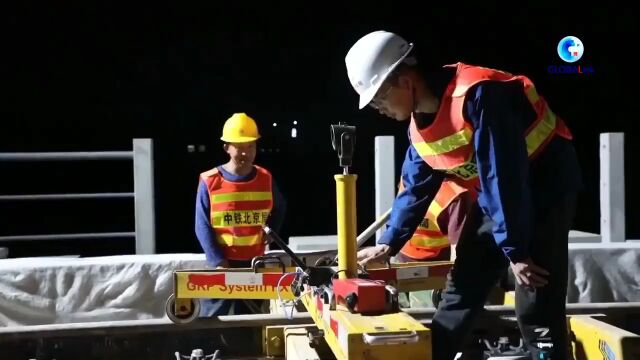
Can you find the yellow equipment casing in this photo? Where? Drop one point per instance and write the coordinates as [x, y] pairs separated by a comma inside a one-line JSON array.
[[356, 336], [595, 339], [347, 223]]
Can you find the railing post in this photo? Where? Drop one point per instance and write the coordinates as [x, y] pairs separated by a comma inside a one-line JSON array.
[[385, 174], [612, 204], [144, 196]]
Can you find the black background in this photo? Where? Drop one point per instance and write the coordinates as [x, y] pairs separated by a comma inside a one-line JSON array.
[[94, 77]]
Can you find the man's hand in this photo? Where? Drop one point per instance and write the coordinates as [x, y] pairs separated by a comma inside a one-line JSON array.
[[223, 264], [529, 274], [378, 253]]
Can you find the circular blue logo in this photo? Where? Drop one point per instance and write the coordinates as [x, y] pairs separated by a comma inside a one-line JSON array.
[[570, 49]]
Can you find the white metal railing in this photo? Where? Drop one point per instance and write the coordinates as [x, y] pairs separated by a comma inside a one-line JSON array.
[[67, 156], [66, 196], [612, 204], [385, 176], [612, 190], [143, 195]]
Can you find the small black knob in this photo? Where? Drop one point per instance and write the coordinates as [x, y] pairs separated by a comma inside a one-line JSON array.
[[352, 301]]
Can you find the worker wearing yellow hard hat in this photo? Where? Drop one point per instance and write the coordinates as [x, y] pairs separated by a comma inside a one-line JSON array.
[[240, 128], [234, 201]]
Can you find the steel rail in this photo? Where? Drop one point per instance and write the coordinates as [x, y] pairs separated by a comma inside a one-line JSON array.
[[423, 315]]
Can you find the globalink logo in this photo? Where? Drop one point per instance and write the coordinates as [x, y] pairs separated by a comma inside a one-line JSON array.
[[570, 50]]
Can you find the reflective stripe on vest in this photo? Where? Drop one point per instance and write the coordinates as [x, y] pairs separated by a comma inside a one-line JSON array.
[[241, 196], [447, 144], [238, 212], [428, 234], [424, 241], [428, 239]]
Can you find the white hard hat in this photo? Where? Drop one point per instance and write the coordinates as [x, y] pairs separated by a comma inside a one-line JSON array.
[[371, 59]]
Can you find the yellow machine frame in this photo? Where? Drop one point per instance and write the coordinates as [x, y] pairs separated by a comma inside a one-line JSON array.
[[593, 338], [394, 334], [349, 335]]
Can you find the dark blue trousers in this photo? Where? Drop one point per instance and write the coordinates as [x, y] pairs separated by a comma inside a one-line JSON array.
[[478, 268]]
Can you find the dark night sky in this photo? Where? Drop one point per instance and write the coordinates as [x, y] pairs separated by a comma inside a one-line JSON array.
[[94, 77]]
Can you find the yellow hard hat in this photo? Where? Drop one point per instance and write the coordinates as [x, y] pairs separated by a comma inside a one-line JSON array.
[[240, 128]]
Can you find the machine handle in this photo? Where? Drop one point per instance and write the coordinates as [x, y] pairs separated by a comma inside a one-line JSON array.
[[276, 238], [371, 230], [260, 260], [393, 338]]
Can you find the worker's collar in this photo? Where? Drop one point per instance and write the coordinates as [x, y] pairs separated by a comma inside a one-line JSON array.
[[437, 81]]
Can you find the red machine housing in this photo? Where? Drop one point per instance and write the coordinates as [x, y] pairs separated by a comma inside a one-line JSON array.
[[360, 295]]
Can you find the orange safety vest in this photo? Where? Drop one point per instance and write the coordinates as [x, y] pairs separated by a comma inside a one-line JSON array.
[[428, 239], [238, 211], [447, 143]]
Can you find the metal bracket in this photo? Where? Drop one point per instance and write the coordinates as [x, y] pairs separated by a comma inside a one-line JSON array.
[[263, 260], [343, 140]]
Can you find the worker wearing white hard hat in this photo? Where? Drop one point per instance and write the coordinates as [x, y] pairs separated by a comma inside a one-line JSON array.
[[233, 203], [491, 132]]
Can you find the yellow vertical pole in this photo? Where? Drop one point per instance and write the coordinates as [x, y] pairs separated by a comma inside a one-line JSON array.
[[347, 225]]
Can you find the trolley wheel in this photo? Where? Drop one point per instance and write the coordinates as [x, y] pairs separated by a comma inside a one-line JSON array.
[[182, 317]]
